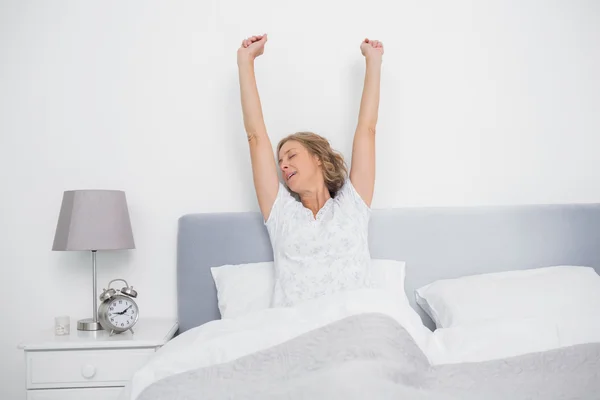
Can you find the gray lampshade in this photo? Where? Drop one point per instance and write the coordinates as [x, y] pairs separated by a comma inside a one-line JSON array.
[[93, 220]]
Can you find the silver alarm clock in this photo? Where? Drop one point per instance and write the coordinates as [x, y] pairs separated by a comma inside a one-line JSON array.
[[118, 311]]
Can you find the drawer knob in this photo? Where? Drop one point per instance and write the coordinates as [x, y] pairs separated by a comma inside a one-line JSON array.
[[88, 371]]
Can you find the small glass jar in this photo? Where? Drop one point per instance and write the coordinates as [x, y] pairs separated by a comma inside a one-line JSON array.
[[62, 325]]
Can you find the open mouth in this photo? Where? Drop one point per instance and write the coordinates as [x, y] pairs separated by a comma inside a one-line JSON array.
[[290, 175]]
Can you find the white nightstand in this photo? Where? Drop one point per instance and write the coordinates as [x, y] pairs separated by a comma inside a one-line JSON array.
[[93, 365]]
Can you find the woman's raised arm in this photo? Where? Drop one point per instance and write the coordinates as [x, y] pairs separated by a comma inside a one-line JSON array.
[[264, 168], [362, 171]]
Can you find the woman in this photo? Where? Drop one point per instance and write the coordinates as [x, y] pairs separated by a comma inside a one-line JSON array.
[[318, 221]]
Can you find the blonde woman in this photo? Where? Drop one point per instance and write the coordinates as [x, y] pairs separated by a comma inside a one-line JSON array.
[[317, 218]]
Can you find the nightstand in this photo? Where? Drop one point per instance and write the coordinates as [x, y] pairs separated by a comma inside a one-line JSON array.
[[93, 365]]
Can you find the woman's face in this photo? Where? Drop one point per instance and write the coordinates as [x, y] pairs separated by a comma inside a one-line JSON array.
[[299, 168]]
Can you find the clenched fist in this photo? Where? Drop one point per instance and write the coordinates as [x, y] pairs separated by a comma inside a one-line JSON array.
[[371, 48], [252, 47]]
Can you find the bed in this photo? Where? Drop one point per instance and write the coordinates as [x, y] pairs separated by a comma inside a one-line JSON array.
[[436, 243]]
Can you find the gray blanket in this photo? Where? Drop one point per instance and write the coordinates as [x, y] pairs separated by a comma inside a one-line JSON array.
[[370, 356]]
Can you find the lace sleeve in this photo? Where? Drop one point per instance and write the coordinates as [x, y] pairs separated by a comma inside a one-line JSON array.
[[348, 195], [282, 202]]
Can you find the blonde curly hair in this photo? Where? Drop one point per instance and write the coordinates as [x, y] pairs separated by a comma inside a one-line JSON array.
[[332, 162]]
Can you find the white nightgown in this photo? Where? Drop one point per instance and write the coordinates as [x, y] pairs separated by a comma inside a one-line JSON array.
[[317, 256]]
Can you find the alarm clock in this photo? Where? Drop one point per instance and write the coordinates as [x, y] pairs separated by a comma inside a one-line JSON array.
[[118, 312]]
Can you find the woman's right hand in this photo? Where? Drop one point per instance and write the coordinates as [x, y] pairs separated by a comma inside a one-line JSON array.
[[252, 47]]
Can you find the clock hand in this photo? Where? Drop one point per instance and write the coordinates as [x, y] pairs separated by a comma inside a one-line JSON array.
[[124, 311]]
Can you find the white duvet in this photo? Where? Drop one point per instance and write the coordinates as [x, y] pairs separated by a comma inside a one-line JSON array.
[[227, 339]]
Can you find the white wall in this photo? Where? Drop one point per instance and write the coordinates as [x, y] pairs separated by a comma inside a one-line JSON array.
[[493, 103]]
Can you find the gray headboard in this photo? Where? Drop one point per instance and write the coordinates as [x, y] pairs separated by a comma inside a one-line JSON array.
[[436, 243]]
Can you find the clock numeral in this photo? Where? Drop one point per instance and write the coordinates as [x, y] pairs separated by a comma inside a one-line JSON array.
[[112, 320], [120, 301], [128, 322], [112, 308], [122, 324], [126, 303]]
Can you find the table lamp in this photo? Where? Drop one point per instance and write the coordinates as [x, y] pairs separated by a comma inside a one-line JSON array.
[[92, 220]]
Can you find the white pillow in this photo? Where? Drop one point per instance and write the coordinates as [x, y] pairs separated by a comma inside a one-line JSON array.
[[503, 338], [244, 288], [388, 275], [548, 291]]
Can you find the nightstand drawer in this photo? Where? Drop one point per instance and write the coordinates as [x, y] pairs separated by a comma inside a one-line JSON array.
[[75, 394], [81, 368]]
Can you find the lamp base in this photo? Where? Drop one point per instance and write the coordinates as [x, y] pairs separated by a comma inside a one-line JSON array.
[[88, 324]]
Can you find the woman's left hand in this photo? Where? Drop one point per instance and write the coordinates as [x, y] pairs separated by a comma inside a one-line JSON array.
[[371, 48]]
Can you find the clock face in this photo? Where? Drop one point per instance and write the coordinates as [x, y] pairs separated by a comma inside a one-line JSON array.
[[122, 312]]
